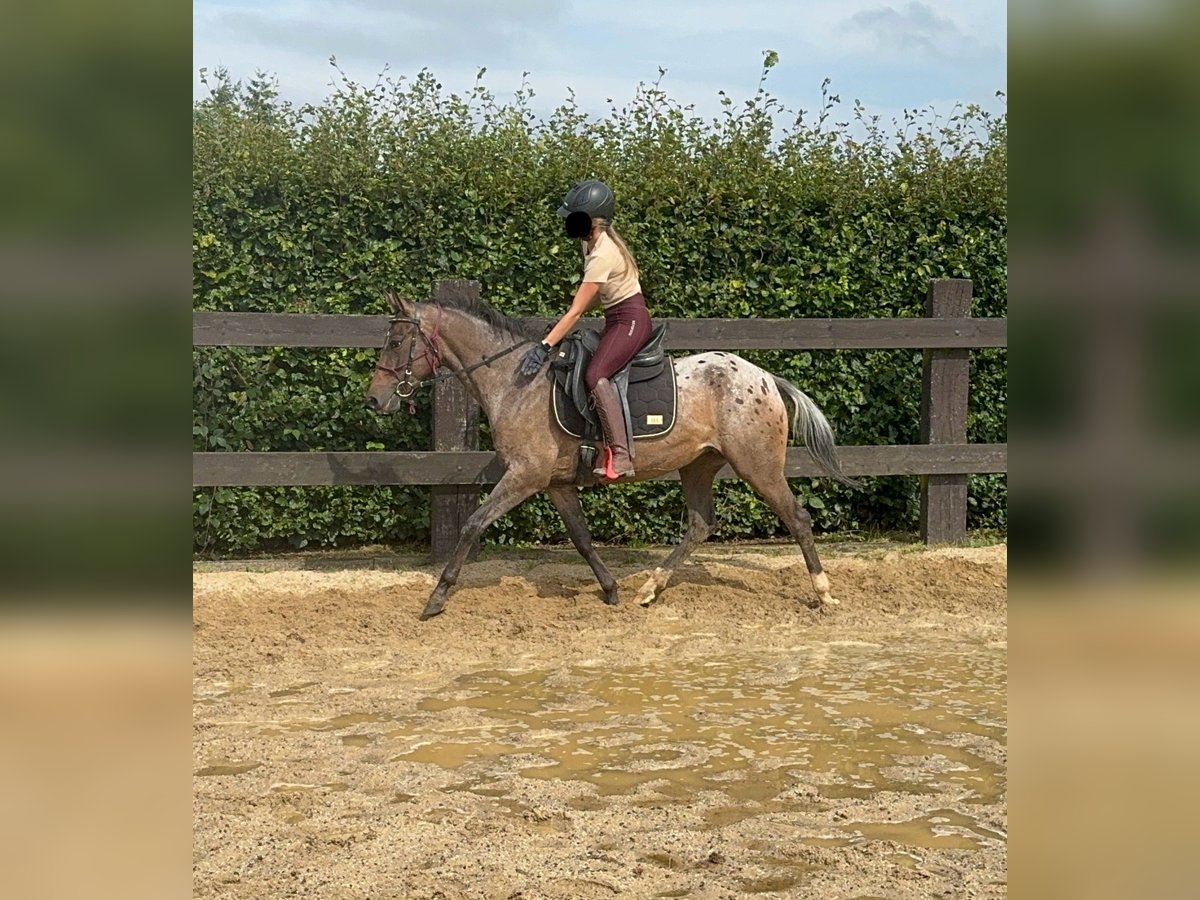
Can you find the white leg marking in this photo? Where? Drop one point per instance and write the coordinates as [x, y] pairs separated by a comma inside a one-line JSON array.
[[655, 583], [821, 586]]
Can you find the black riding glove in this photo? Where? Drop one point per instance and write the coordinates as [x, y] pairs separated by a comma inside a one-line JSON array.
[[533, 361]]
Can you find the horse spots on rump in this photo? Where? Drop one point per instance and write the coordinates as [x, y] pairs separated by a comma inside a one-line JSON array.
[[740, 401], [764, 386]]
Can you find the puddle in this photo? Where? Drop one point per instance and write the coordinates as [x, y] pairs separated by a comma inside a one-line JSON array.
[[941, 829], [848, 721], [293, 690], [292, 787], [825, 841], [743, 735], [209, 694], [722, 816], [453, 755], [226, 768]]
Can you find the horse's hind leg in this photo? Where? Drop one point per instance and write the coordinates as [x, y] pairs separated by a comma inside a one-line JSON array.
[[566, 501], [775, 490], [697, 480]]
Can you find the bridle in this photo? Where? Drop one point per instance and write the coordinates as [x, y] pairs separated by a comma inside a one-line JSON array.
[[406, 385]]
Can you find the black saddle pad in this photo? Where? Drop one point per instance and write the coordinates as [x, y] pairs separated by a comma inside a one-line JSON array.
[[651, 404]]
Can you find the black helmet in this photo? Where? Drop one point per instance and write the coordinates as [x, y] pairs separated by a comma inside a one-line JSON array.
[[593, 198]]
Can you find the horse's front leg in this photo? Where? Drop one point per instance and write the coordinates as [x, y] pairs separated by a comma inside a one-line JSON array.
[[515, 485], [566, 501]]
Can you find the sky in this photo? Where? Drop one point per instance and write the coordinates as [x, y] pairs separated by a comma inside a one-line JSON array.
[[892, 56]]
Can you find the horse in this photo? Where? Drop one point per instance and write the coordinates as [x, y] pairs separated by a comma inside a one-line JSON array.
[[728, 411]]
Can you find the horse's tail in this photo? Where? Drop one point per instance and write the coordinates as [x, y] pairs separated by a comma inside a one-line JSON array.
[[810, 424]]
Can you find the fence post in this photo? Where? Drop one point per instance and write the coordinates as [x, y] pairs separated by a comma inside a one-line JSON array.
[[455, 427], [945, 383]]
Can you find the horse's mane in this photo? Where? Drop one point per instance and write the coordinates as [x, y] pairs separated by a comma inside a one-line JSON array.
[[495, 319]]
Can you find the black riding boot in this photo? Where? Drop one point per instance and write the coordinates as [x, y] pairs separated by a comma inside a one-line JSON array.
[[617, 462]]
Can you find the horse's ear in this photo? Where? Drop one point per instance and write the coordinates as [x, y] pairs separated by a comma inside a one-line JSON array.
[[399, 305]]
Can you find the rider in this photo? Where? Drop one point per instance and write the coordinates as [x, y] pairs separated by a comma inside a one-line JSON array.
[[610, 276]]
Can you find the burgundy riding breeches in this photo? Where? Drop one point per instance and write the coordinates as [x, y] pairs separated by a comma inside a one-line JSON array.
[[626, 331]]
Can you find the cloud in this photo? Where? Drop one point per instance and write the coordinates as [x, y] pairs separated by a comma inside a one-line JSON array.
[[889, 53], [405, 33], [463, 13], [687, 19], [904, 33]]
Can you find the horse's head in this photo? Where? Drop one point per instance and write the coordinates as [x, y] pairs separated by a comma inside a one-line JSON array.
[[409, 356]]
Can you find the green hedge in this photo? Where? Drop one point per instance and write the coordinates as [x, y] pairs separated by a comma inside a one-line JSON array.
[[759, 212]]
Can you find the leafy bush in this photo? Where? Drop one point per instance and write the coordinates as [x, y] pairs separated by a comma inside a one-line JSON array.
[[759, 212]]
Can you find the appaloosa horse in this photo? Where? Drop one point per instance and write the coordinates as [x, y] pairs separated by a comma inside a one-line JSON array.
[[729, 411]]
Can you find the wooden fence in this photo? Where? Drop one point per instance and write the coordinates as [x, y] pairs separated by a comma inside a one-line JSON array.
[[456, 468]]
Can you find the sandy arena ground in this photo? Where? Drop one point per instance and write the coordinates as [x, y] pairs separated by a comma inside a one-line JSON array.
[[530, 742]]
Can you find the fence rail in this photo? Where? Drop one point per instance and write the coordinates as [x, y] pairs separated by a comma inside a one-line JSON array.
[[456, 469], [481, 467], [217, 329]]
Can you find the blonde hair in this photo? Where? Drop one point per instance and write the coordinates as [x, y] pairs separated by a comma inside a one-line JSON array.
[[630, 262]]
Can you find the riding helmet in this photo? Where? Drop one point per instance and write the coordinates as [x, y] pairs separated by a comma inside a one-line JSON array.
[[593, 198]]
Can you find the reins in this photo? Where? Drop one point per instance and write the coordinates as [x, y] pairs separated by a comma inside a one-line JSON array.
[[406, 387]]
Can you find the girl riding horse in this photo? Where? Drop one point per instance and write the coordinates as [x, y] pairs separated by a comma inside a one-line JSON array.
[[610, 277]]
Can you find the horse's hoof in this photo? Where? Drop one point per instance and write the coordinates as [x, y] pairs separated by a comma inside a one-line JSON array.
[[432, 608], [611, 598], [647, 594]]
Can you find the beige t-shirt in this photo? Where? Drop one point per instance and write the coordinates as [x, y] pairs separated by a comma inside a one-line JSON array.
[[606, 266]]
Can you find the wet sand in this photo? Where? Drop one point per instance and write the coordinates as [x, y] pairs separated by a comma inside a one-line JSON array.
[[531, 742]]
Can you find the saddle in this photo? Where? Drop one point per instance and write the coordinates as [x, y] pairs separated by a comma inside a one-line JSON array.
[[646, 387]]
